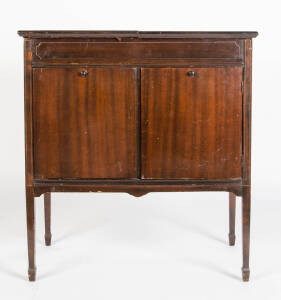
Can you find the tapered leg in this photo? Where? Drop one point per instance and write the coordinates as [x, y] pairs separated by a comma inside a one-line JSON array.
[[232, 208], [30, 213], [47, 209], [246, 209]]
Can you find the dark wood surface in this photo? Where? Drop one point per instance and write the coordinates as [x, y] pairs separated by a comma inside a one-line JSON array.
[[137, 34], [136, 187], [134, 121], [49, 51], [85, 127], [247, 112], [29, 184], [191, 126], [28, 116], [246, 197], [137, 51]]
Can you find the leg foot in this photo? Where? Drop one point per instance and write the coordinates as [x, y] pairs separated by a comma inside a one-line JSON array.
[[232, 208], [231, 238], [245, 274], [48, 239], [47, 210], [32, 274], [30, 216], [246, 209]]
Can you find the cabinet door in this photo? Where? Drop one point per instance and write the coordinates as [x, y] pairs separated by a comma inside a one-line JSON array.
[[191, 125], [85, 126]]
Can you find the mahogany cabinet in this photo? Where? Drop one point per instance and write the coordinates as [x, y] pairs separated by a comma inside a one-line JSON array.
[[137, 112]]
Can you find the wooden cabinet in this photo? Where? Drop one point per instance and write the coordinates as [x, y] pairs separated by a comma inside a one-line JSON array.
[[137, 112]]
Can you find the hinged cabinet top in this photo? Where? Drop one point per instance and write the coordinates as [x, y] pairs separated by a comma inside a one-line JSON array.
[[52, 34]]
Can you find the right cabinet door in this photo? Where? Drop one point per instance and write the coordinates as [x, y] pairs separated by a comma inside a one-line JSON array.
[[191, 121]]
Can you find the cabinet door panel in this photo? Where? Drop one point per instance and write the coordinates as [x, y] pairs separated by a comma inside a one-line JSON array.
[[191, 126], [85, 126]]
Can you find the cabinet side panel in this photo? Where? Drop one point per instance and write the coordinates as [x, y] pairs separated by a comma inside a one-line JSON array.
[[191, 126], [85, 126]]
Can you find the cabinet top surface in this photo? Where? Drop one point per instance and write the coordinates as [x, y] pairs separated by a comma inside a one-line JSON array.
[[139, 34]]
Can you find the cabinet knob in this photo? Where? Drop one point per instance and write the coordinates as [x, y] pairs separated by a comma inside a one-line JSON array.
[[84, 73], [191, 73]]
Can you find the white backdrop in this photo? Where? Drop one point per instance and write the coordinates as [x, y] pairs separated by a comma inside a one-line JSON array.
[[160, 246]]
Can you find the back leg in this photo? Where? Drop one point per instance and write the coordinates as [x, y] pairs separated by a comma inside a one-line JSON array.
[[232, 208], [47, 209]]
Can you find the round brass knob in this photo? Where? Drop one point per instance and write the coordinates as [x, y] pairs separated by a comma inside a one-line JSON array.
[[84, 73], [191, 73]]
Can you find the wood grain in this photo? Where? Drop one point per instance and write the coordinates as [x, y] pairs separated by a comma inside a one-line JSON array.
[[85, 127], [191, 126]]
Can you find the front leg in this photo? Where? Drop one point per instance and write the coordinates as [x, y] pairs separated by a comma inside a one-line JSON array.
[[246, 209], [30, 216]]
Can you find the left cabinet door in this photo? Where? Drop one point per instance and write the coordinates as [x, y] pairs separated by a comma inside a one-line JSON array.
[[85, 122]]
